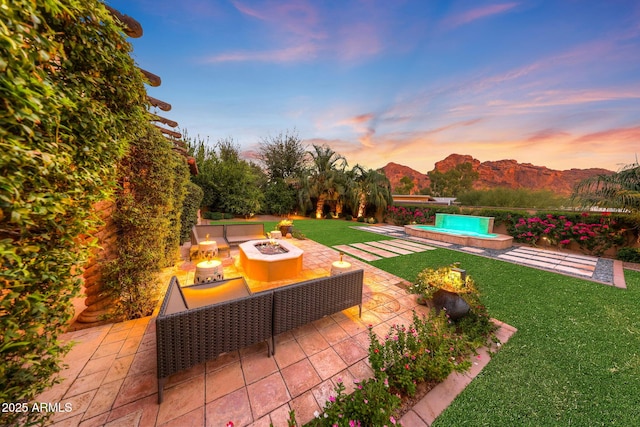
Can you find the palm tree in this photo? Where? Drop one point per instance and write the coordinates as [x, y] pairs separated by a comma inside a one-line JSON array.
[[619, 190], [369, 188], [324, 181]]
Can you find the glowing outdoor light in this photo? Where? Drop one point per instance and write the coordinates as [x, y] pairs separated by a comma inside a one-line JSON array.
[[460, 273], [341, 266]]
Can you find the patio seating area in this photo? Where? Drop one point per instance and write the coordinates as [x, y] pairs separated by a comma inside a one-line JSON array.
[[111, 378]]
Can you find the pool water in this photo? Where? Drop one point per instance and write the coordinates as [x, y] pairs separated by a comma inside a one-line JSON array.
[[456, 232]]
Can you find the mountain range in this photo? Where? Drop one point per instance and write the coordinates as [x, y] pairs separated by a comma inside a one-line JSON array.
[[500, 173]]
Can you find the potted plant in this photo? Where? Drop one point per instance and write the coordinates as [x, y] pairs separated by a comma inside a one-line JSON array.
[[448, 288], [285, 226]]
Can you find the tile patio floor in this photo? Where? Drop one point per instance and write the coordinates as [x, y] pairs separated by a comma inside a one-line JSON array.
[[111, 375]]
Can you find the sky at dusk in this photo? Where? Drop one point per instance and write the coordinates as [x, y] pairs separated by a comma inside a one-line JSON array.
[[554, 83]]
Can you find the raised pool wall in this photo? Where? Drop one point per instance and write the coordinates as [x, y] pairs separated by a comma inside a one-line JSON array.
[[499, 241], [478, 224]]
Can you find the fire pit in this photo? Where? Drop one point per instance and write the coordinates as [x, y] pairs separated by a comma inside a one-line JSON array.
[[270, 248], [270, 260]]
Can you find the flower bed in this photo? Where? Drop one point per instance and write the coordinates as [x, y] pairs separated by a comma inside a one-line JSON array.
[[591, 236]]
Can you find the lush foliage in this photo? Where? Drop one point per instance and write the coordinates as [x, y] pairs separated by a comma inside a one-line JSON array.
[[325, 180], [509, 197], [593, 237], [217, 216], [148, 201], [620, 190], [190, 206], [629, 254], [403, 215], [283, 156], [370, 404], [280, 197], [454, 181], [72, 100], [405, 186], [448, 278], [427, 350], [230, 184], [368, 192]]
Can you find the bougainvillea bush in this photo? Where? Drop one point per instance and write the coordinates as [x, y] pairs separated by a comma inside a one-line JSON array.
[[593, 234]]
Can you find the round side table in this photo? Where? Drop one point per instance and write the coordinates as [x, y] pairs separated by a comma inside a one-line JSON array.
[[338, 267], [209, 271], [208, 249]]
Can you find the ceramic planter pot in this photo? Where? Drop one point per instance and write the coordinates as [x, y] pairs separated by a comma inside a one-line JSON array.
[[455, 306]]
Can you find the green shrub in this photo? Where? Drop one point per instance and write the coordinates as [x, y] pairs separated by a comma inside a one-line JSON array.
[[629, 254], [509, 197], [190, 206], [216, 216], [72, 100], [348, 217], [370, 404], [152, 176], [427, 350], [361, 219], [227, 216]]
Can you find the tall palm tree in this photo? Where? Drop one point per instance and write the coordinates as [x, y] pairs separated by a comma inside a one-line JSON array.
[[369, 187], [620, 190], [324, 181]]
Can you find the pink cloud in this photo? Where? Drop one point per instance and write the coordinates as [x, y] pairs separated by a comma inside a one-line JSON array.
[[302, 52], [299, 32], [362, 118], [547, 134], [300, 18], [471, 15], [631, 134]]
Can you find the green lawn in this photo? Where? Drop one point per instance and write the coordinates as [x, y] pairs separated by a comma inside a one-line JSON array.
[[575, 359]]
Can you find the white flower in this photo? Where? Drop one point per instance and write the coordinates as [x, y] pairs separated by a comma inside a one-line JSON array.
[[316, 414]]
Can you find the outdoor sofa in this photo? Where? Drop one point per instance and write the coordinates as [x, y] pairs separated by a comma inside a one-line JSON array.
[[215, 232], [240, 233], [198, 323]]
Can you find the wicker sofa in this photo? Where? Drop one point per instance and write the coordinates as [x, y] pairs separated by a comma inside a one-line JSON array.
[[240, 233], [198, 323], [215, 232], [301, 303]]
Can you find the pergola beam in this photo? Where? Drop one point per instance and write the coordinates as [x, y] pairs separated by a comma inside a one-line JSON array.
[[164, 106], [132, 28], [168, 122]]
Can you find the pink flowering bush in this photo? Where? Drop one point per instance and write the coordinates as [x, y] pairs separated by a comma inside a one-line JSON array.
[[428, 350], [400, 215], [594, 237], [370, 404]]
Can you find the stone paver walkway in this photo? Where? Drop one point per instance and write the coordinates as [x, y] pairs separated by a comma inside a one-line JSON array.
[[111, 375]]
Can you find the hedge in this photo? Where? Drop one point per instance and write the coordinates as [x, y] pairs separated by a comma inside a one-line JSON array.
[[72, 101]]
